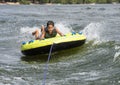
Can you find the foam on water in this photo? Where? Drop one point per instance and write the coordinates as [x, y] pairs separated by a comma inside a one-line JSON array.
[[117, 54]]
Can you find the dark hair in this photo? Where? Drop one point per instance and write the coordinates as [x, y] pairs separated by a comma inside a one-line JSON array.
[[50, 23]]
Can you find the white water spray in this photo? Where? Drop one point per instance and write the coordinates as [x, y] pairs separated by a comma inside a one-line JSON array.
[[28, 30], [26, 33], [117, 54], [63, 28], [94, 31]]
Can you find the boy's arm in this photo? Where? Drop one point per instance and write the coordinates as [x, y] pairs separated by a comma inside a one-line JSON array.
[[42, 32], [58, 31]]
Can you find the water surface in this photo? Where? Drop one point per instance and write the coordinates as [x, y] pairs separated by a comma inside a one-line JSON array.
[[97, 62]]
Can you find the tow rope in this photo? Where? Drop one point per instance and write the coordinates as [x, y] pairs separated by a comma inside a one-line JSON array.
[[46, 66]]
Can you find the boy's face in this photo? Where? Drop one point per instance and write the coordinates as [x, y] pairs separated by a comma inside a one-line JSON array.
[[50, 27]]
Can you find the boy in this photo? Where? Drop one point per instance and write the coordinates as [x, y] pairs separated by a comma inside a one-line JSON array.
[[47, 32]]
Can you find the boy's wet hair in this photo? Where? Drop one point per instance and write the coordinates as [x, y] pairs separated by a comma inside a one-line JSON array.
[[50, 23]]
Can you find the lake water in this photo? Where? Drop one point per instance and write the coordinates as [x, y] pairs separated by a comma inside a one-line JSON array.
[[97, 62]]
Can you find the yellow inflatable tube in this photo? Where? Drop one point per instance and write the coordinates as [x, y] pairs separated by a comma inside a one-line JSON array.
[[71, 40]]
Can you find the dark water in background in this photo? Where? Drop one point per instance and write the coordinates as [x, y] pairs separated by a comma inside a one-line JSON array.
[[95, 63]]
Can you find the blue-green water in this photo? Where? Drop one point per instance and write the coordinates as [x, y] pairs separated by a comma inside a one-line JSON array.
[[97, 62]]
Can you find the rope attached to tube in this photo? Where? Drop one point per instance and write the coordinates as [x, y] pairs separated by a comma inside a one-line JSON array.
[[46, 66]]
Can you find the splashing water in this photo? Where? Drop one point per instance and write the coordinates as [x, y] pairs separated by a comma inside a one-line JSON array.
[[26, 33], [27, 30], [117, 54], [64, 28], [94, 31]]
